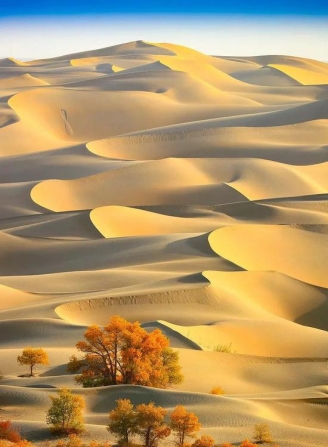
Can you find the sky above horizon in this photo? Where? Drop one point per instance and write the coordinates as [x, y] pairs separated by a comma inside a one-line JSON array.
[[42, 29]]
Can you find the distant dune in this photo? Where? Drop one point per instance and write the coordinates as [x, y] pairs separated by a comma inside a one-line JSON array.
[[188, 192]]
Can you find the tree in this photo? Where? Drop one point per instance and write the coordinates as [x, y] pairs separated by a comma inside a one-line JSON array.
[[33, 356], [150, 424], [124, 352], [65, 413], [204, 441], [122, 421], [262, 433], [184, 424]]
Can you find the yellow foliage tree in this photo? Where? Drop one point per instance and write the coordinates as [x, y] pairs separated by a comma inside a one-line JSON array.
[[65, 414], [150, 424], [124, 352], [184, 424], [33, 356], [204, 441], [262, 433], [122, 421]]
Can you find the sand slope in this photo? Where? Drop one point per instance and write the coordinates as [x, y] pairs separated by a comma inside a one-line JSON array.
[[189, 192]]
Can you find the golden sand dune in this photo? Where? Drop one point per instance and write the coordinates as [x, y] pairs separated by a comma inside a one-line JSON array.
[[158, 78], [185, 191], [69, 226], [99, 64], [10, 62], [113, 221], [242, 335], [83, 115], [291, 61], [265, 76], [188, 181], [15, 200], [175, 253], [271, 292], [255, 247], [292, 144], [302, 75], [130, 49], [13, 333], [12, 298], [23, 81]]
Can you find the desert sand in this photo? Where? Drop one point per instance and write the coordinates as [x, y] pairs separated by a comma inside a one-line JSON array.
[[188, 192]]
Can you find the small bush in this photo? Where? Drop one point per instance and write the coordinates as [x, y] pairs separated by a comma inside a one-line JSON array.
[[217, 390], [74, 441], [24, 443], [247, 443], [224, 348], [8, 433], [204, 441]]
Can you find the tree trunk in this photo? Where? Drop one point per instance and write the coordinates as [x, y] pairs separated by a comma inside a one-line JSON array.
[[147, 440]]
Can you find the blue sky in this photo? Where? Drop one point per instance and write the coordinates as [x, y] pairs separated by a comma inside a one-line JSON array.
[[31, 29], [63, 7]]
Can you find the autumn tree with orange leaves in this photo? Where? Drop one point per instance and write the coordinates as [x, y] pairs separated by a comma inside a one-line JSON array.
[[124, 353], [184, 424], [150, 424], [204, 441]]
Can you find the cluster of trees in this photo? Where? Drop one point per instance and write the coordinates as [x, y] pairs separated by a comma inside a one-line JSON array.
[[125, 353], [148, 422], [120, 353], [126, 421]]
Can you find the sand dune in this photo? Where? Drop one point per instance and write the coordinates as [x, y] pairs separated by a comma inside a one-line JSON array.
[[302, 75], [188, 192], [189, 182], [275, 248], [24, 81], [186, 141], [265, 76]]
